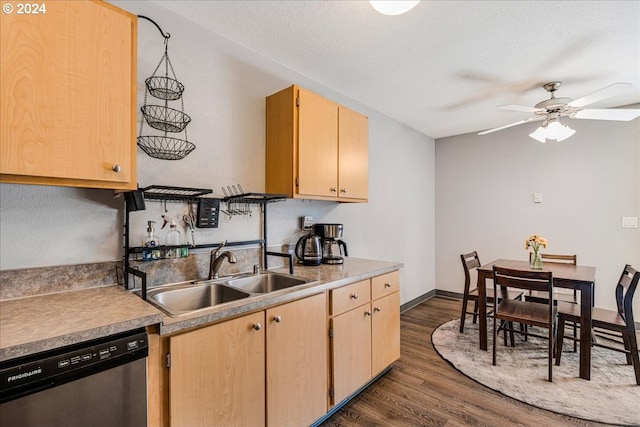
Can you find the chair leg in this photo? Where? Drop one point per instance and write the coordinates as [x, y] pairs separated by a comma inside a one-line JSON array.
[[627, 346], [504, 325], [495, 336], [559, 339], [513, 341], [475, 311], [633, 347], [575, 337], [550, 359], [464, 312]]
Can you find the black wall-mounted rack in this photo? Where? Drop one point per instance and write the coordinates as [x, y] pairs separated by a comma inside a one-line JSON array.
[[135, 201]]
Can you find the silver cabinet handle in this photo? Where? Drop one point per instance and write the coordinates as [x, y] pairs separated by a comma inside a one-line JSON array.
[[377, 309], [277, 319], [354, 296], [343, 190], [367, 313], [333, 189], [116, 168], [387, 285], [257, 326]]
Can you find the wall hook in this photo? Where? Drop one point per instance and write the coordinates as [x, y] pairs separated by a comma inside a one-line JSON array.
[[165, 35]]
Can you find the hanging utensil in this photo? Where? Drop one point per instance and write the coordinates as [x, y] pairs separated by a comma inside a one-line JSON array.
[[190, 220]]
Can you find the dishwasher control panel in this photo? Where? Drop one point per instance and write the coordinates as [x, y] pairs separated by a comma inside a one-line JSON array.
[[88, 355]]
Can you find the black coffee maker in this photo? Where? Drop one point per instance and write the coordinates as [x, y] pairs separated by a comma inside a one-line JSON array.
[[333, 247]]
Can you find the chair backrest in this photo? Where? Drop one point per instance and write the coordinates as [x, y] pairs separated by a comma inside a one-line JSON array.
[[469, 262], [625, 290], [560, 259], [523, 279]]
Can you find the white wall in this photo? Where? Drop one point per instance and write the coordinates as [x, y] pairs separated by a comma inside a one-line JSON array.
[[484, 199], [226, 86]]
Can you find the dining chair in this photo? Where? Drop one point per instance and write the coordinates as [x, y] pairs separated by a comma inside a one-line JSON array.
[[471, 261], [618, 322], [558, 296], [525, 312]]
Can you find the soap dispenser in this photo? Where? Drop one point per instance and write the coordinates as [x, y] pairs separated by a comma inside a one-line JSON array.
[[151, 241], [173, 239]]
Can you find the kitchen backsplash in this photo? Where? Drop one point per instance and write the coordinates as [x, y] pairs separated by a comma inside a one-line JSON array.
[[27, 282]]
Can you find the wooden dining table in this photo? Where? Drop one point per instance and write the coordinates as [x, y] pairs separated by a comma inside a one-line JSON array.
[[568, 276]]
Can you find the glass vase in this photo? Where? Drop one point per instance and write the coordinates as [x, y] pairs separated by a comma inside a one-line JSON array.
[[535, 262]]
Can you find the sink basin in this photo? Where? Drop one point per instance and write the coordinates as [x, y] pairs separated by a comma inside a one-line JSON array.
[[266, 282], [189, 299]]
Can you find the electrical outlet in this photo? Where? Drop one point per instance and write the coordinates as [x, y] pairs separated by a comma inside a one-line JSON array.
[[537, 197], [306, 222]]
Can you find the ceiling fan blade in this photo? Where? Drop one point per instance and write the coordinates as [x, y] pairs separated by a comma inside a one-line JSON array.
[[600, 94], [522, 108], [623, 115], [533, 119]]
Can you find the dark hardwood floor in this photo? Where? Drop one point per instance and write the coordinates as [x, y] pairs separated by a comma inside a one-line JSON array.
[[424, 390]]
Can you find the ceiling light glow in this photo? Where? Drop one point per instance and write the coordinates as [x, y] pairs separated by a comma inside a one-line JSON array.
[[391, 7]]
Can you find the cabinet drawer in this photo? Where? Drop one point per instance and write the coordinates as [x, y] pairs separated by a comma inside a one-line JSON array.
[[350, 296], [385, 284]]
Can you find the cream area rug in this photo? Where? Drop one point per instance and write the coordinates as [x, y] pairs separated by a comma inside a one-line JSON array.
[[611, 396]]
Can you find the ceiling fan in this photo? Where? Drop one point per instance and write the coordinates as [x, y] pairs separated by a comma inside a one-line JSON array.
[[551, 110]]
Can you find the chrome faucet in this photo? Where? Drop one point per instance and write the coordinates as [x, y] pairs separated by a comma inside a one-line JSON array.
[[217, 258]]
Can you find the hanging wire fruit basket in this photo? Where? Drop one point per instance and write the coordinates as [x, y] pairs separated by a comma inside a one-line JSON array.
[[165, 118], [162, 117], [165, 147], [164, 87]]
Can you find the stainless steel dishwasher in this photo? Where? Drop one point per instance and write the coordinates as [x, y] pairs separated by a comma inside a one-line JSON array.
[[99, 383]]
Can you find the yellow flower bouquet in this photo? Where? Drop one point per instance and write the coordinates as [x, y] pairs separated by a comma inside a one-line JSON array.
[[535, 241]]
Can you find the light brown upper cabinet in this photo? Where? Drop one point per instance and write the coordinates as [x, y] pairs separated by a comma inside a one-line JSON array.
[[68, 94], [316, 148]]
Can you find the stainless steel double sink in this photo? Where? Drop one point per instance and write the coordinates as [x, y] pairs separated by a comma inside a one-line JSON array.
[[189, 297]]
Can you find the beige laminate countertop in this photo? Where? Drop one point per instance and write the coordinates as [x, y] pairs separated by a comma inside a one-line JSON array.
[[34, 324], [322, 277]]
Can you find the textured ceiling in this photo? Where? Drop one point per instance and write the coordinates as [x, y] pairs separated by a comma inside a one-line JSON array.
[[443, 67]]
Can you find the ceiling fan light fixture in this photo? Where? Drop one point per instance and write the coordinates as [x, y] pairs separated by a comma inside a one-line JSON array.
[[391, 7], [552, 129], [539, 134], [558, 131]]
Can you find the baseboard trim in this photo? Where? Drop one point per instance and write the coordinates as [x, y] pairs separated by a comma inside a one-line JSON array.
[[339, 406], [448, 294], [417, 301]]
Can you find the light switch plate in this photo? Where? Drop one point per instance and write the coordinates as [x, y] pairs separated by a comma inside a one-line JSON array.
[[537, 197], [629, 222]]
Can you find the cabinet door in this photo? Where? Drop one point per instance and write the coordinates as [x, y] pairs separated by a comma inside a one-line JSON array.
[[385, 332], [317, 145], [217, 375], [353, 155], [297, 362], [351, 351], [68, 94]]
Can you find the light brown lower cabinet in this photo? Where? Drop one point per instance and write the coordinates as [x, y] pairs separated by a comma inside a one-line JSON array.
[[385, 332], [217, 374], [297, 362], [365, 340], [266, 368], [351, 351]]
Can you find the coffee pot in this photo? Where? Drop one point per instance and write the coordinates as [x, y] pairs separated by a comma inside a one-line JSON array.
[[309, 249], [333, 247]]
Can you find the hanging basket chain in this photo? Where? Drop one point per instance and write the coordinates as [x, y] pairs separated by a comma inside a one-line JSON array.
[[163, 118]]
